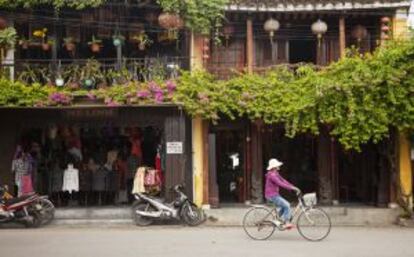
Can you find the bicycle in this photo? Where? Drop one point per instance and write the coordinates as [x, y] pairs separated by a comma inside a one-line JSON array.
[[313, 223]]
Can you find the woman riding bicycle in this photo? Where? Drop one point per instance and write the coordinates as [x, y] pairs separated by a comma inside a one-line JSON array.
[[273, 182]]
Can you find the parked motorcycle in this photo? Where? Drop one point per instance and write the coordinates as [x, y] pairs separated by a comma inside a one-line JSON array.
[[31, 210], [148, 209]]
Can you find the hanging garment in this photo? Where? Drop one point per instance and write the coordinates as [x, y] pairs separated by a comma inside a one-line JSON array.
[[85, 180], [158, 167], [121, 168], [133, 163], [99, 179], [139, 186], [111, 157], [56, 180], [21, 167], [26, 185], [136, 147], [71, 179]]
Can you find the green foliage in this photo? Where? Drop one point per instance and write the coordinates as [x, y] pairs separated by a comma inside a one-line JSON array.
[[8, 38], [57, 4], [199, 15], [358, 98]]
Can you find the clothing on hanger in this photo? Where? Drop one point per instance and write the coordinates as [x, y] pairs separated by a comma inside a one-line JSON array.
[[139, 186], [71, 179]]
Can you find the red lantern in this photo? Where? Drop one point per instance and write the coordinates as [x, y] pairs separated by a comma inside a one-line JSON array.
[[170, 21], [385, 28], [385, 19]]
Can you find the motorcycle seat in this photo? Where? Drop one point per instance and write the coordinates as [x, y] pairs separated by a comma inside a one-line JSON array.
[[17, 199]]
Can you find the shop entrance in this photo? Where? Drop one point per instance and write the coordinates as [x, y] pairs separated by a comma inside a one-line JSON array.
[[229, 163], [299, 157], [102, 150]]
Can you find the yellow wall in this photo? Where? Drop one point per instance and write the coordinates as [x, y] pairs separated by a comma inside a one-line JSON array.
[[405, 167], [198, 161], [400, 30]]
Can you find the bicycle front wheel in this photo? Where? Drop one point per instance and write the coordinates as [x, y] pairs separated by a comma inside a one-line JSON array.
[[314, 224], [257, 223]]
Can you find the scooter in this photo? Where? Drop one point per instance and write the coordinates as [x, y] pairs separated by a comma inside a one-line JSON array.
[[31, 210], [148, 209]]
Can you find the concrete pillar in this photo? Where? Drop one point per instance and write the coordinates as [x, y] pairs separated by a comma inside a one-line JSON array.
[[404, 170], [196, 52]]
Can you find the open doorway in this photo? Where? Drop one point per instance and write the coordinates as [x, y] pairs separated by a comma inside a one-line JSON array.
[[230, 165], [301, 50]]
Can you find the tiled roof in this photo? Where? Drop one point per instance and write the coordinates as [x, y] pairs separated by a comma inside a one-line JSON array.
[[314, 5]]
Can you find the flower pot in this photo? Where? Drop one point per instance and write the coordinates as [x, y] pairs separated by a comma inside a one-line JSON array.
[[96, 48], [25, 45], [141, 46], [88, 82], [74, 85], [117, 41], [70, 47], [46, 47]]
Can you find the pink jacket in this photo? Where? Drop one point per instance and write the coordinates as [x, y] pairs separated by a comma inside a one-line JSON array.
[[273, 181]]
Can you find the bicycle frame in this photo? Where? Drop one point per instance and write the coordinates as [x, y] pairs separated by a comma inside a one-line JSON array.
[[299, 208]]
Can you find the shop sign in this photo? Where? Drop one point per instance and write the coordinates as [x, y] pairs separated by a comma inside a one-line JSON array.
[[90, 113], [174, 147]]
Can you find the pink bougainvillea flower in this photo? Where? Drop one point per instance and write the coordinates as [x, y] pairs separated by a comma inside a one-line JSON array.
[[91, 96], [159, 97], [143, 94], [171, 86], [154, 87]]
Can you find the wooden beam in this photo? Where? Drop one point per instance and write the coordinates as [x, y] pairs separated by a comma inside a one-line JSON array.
[[342, 37], [249, 44]]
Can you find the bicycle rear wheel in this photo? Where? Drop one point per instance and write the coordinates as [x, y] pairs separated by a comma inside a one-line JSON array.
[[314, 224], [257, 223]]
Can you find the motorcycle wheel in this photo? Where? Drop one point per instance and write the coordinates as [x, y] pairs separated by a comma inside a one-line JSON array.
[[138, 219], [48, 211], [37, 220], [192, 215]]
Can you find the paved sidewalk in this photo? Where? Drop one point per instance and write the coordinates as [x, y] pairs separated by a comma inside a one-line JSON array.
[[231, 216]]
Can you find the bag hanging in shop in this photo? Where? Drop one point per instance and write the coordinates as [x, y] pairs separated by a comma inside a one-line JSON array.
[[152, 178]]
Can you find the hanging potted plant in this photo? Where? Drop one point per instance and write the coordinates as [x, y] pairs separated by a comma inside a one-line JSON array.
[[47, 44], [8, 38], [118, 40], [40, 34], [142, 40], [95, 44], [170, 21], [24, 43], [69, 43]]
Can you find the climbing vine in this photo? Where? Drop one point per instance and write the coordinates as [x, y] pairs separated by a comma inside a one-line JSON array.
[[359, 98]]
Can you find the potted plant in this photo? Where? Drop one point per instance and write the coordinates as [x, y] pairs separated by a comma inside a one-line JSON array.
[[118, 40], [142, 40], [41, 35], [47, 44], [24, 43], [8, 38], [69, 43], [91, 74], [95, 44]]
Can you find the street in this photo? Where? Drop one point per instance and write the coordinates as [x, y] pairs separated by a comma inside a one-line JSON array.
[[183, 241]]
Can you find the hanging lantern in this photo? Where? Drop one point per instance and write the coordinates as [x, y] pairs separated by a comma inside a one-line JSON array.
[[206, 49], [319, 28], [271, 26], [228, 31], [385, 19], [170, 21], [385, 28], [359, 32]]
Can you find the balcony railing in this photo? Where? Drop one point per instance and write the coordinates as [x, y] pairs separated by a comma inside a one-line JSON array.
[[98, 71]]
